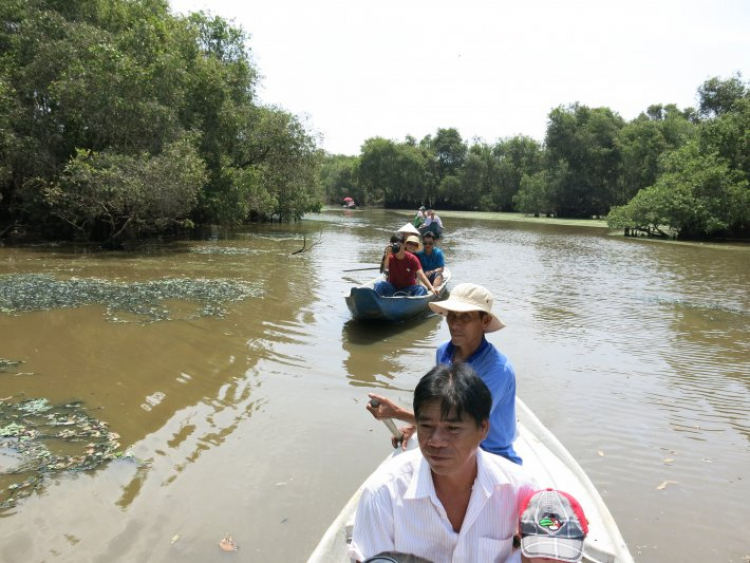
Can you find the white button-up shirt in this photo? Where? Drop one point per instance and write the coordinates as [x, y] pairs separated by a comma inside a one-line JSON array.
[[400, 511]]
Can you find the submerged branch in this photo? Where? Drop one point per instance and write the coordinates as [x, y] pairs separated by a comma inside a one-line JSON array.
[[304, 244]]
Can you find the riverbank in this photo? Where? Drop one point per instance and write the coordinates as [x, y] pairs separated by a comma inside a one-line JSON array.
[[515, 217]]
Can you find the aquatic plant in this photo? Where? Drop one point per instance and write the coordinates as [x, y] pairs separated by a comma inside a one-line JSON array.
[[41, 439], [35, 292]]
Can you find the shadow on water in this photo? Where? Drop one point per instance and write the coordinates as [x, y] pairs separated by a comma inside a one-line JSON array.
[[389, 355], [368, 332]]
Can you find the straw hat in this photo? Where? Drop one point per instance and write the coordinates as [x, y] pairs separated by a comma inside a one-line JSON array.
[[467, 297], [408, 228], [414, 238]]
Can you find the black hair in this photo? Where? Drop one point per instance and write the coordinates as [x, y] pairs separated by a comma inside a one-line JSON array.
[[458, 388], [428, 234], [396, 238]]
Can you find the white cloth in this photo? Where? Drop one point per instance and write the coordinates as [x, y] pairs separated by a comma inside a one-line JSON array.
[[400, 511]]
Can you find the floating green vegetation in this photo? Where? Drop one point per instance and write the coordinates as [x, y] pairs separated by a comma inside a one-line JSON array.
[[38, 439], [225, 250], [5, 365], [146, 300]]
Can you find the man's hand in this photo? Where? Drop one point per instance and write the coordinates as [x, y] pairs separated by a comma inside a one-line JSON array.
[[385, 409], [408, 432]]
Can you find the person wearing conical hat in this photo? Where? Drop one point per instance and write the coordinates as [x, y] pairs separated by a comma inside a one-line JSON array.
[[468, 313]]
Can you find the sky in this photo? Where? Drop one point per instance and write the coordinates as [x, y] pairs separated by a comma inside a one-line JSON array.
[[356, 69]]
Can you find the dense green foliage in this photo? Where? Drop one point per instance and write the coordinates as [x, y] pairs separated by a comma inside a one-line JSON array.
[[119, 119], [668, 171], [702, 184]]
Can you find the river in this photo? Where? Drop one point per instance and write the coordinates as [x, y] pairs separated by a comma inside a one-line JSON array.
[[240, 393]]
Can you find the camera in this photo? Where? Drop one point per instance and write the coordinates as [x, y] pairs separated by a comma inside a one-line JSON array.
[[395, 247]]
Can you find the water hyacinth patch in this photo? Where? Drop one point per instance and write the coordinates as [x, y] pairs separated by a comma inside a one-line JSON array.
[[35, 292], [6, 365], [41, 439], [225, 250]]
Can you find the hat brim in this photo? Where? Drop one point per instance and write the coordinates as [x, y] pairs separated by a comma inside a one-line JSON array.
[[561, 549], [460, 306]]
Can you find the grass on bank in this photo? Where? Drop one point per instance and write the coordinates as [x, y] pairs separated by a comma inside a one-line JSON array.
[[515, 217]]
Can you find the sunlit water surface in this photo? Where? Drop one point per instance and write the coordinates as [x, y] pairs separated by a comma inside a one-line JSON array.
[[249, 418]]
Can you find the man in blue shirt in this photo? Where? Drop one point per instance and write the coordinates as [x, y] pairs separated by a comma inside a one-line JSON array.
[[432, 260], [469, 315]]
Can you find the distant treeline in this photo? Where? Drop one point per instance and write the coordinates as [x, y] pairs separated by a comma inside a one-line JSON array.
[[119, 119], [669, 171]]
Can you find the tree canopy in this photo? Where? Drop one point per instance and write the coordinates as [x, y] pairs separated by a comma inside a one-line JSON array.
[[119, 119], [682, 172], [112, 109]]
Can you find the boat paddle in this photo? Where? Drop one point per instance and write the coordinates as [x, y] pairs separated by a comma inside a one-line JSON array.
[[390, 425], [362, 269]]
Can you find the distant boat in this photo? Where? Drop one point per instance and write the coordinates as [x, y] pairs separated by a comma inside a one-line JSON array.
[[366, 304], [349, 203]]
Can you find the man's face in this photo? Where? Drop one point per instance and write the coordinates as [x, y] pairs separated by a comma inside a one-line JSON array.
[[429, 244], [449, 445], [467, 328]]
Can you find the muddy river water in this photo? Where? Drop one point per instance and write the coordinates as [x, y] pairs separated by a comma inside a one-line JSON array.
[[232, 372]]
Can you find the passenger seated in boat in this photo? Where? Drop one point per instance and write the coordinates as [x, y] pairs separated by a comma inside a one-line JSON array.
[[404, 270], [551, 527], [419, 217], [449, 500], [468, 314], [432, 260], [401, 235], [387, 252], [431, 223]]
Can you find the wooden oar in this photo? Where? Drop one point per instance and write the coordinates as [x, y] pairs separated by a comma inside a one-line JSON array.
[[362, 269], [390, 425]]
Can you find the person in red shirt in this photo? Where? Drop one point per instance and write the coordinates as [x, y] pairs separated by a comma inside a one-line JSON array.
[[404, 269]]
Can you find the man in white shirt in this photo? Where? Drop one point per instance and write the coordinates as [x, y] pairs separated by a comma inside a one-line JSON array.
[[449, 501]]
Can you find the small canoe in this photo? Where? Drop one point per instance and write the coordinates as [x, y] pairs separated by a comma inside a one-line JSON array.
[[552, 466], [365, 304]]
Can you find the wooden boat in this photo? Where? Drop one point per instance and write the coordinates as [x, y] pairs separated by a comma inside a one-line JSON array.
[[365, 304], [552, 466]]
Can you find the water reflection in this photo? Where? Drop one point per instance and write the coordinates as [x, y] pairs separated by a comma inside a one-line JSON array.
[[365, 369]]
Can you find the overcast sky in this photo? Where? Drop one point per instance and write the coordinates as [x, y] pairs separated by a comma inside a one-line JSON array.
[[355, 69]]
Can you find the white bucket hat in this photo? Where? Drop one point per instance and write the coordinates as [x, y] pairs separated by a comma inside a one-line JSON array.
[[467, 297], [409, 228]]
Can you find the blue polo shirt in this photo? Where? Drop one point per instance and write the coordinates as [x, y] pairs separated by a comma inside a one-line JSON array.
[[433, 261], [497, 373]]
